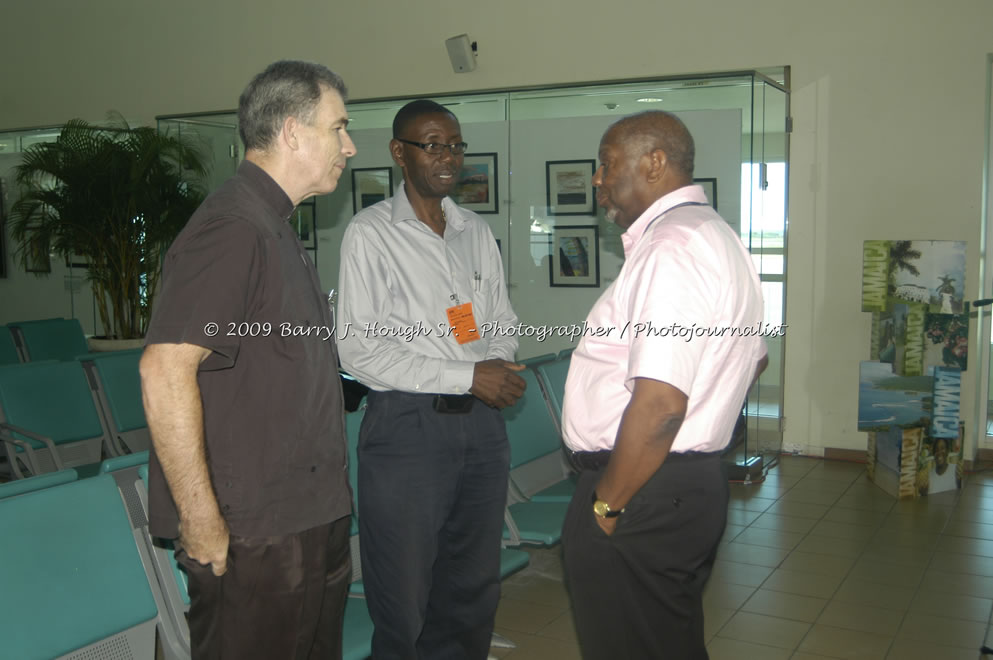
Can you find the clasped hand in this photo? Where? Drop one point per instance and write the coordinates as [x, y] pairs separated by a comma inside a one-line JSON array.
[[496, 384]]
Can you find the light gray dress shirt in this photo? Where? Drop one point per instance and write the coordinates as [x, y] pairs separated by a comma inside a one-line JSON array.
[[396, 282]]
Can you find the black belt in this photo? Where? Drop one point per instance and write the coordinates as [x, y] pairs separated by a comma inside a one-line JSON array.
[[453, 404], [597, 460]]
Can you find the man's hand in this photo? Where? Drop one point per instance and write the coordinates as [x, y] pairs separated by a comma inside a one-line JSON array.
[[608, 525], [207, 543], [495, 383]]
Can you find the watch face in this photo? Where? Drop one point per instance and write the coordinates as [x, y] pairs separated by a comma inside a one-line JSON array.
[[601, 509]]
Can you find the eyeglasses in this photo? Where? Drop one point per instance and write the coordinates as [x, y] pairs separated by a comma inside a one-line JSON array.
[[437, 148]]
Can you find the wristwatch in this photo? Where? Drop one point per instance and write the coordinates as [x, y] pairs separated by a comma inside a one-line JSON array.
[[602, 509]]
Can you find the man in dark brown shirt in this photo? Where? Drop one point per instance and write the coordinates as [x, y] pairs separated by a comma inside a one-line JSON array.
[[242, 395]]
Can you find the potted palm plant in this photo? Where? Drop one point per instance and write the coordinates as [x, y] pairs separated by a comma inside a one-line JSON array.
[[116, 197]]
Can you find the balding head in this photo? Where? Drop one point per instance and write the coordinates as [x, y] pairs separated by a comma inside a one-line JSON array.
[[642, 158], [648, 131]]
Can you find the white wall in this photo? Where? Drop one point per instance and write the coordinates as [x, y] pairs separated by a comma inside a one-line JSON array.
[[888, 105]]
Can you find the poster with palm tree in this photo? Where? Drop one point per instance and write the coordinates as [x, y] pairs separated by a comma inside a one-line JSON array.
[[924, 272]]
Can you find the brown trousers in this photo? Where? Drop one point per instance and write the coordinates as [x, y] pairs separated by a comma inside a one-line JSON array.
[[282, 597]]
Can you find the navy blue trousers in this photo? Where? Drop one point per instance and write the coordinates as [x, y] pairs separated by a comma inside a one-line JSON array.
[[639, 592], [431, 496]]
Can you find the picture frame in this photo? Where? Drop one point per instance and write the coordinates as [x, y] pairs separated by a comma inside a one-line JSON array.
[[370, 185], [37, 259], [304, 223], [477, 188], [709, 188], [569, 187], [575, 256]]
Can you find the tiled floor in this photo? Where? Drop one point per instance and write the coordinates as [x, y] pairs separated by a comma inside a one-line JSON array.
[[817, 562]]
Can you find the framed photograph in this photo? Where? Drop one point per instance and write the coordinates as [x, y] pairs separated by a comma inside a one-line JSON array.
[[477, 189], [304, 218], [37, 257], [370, 185], [569, 187], [575, 256], [709, 188]]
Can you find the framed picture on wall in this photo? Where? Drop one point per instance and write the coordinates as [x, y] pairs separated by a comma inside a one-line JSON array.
[[569, 187], [37, 259], [477, 189], [304, 222], [575, 256], [370, 185], [709, 188]]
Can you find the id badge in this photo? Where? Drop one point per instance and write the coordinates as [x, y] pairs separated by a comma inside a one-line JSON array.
[[463, 323]]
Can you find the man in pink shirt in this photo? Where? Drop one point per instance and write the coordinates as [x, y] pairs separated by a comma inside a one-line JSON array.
[[651, 401]]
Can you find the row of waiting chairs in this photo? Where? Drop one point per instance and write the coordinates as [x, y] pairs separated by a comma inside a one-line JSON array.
[[45, 339], [63, 414], [83, 578]]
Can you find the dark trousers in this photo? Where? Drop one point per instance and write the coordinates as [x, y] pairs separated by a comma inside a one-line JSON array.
[[431, 495], [638, 594], [281, 597]]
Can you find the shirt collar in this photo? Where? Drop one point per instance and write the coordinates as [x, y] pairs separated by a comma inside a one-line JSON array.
[[270, 192], [679, 196], [402, 210]]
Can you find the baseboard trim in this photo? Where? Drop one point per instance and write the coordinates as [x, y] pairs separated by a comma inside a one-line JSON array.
[[850, 455]]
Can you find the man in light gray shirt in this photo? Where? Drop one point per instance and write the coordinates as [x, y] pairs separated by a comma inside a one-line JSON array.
[[424, 320]]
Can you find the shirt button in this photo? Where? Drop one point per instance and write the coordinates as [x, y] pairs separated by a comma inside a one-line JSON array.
[[313, 468], [417, 387]]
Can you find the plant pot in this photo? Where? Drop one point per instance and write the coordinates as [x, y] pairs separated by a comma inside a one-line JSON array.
[[103, 345]]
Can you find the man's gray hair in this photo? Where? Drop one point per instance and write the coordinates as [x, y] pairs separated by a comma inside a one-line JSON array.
[[655, 129], [287, 88]]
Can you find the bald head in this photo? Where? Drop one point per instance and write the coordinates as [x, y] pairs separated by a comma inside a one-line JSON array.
[[646, 132], [642, 158]]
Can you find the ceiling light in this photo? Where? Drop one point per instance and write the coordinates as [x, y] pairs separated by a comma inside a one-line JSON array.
[[649, 99]]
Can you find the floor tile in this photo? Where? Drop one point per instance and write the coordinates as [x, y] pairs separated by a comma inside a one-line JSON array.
[[521, 616], [721, 648], [942, 631], [960, 583], [903, 649], [803, 584], [748, 575], [752, 554], [784, 605], [771, 538], [855, 516], [847, 644], [953, 605], [765, 630], [875, 594], [536, 647], [799, 509], [723, 594], [830, 545], [842, 530], [809, 562], [864, 618], [793, 524], [897, 575]]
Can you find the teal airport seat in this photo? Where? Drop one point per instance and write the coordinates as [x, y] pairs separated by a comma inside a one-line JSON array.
[[8, 349], [75, 586], [552, 375], [50, 339], [173, 595], [48, 418], [116, 384], [536, 464], [536, 458], [122, 462], [31, 484]]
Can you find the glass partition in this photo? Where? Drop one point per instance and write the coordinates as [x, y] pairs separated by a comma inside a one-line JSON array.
[[530, 158]]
